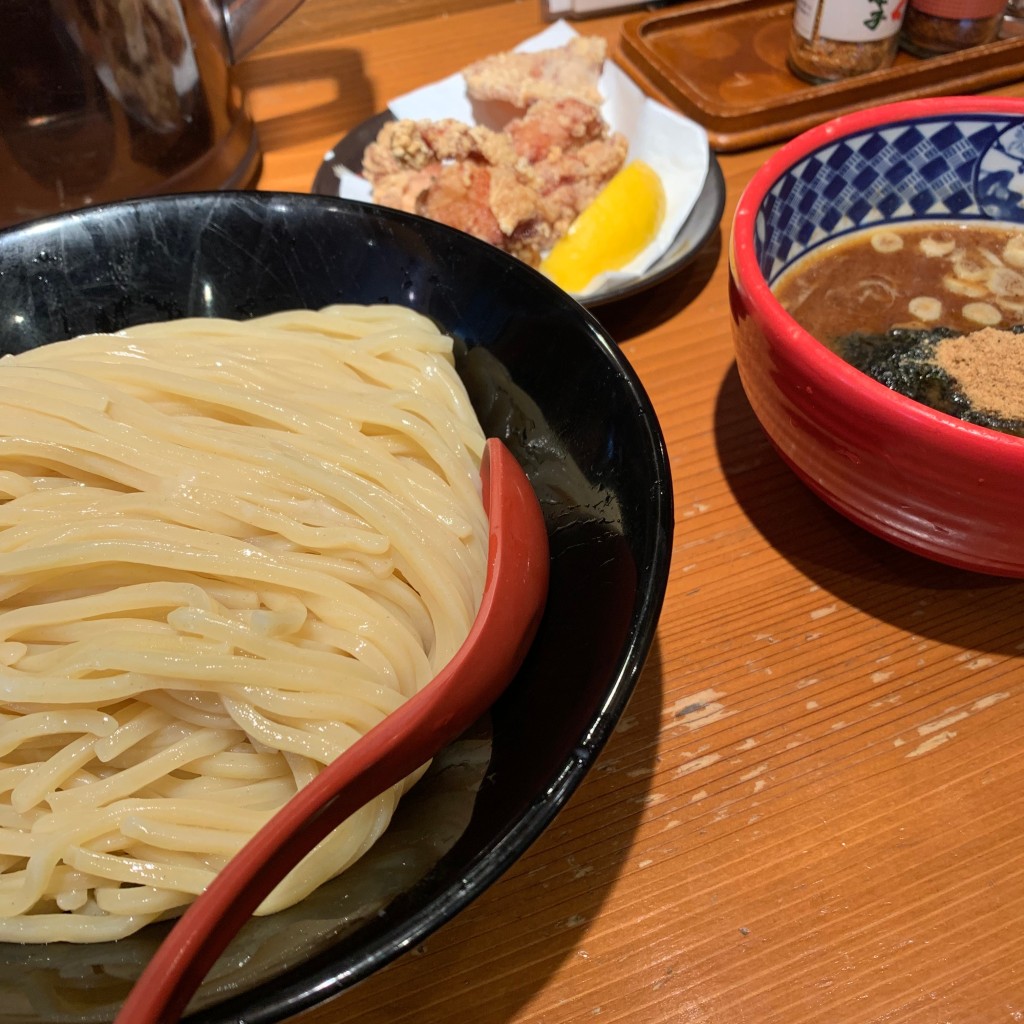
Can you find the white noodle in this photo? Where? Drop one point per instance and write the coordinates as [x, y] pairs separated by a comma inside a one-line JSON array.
[[227, 550]]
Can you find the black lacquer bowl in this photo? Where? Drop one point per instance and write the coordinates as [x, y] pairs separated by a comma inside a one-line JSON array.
[[543, 376]]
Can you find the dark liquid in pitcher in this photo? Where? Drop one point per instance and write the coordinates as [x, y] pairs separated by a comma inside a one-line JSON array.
[[105, 99]]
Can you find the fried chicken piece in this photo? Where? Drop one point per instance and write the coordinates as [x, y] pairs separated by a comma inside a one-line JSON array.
[[551, 125], [405, 159], [489, 203], [411, 145], [459, 196], [571, 71], [518, 189], [571, 156]]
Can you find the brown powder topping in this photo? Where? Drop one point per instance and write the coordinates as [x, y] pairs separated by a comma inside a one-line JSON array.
[[989, 367]]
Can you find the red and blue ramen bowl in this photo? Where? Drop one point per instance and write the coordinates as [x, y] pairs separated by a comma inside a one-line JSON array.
[[934, 484]]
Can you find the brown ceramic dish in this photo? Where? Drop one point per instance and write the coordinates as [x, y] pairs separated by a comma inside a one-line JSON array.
[[723, 63]]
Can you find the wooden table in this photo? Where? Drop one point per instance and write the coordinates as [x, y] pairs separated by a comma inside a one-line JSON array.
[[811, 810]]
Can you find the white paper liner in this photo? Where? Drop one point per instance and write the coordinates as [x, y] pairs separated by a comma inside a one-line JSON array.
[[673, 145]]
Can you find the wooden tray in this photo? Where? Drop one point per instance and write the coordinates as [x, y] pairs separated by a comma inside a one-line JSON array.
[[723, 63]]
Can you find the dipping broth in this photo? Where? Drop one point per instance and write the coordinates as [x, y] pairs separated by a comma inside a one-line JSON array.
[[933, 311], [939, 274]]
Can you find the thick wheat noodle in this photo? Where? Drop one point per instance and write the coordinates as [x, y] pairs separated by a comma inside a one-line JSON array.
[[227, 550]]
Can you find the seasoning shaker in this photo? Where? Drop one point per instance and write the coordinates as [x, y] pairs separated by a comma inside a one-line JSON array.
[[932, 27], [834, 39], [1012, 24]]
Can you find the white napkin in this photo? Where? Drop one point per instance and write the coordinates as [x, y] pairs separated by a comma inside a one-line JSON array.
[[675, 146]]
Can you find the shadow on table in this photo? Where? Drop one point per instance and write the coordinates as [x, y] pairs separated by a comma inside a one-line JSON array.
[[490, 961], [329, 89], [627, 318], [319, 19], [906, 590]]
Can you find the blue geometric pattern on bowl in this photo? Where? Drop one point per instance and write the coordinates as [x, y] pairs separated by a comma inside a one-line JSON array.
[[964, 166]]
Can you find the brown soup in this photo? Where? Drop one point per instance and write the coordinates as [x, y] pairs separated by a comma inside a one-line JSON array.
[[919, 275]]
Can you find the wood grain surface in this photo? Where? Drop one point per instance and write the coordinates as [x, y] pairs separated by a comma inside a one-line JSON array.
[[811, 810]]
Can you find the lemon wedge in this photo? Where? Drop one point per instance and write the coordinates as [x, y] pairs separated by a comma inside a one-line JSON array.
[[620, 223]]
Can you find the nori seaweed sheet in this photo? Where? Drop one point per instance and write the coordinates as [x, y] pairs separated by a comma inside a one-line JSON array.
[[904, 359]]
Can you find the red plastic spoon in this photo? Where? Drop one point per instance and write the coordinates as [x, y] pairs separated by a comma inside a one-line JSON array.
[[513, 600]]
